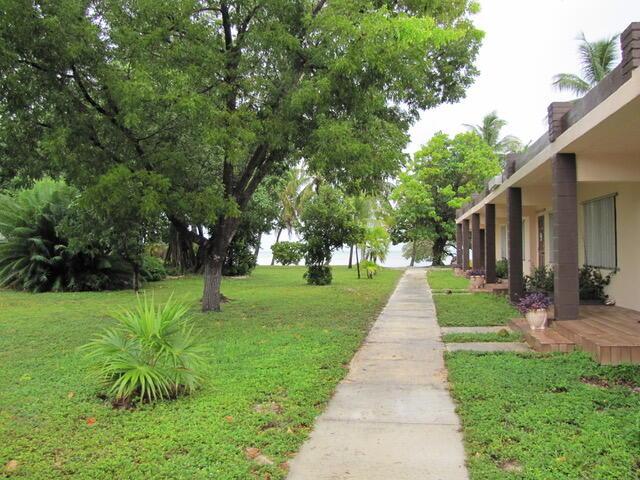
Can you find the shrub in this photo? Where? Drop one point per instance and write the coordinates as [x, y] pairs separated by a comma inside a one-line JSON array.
[[241, 257], [318, 275], [370, 268], [152, 269], [288, 253], [151, 354], [502, 268], [37, 258], [540, 280], [592, 284], [533, 301]]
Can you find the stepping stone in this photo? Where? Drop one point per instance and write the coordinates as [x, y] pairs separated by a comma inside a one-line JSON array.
[[489, 347], [475, 329]]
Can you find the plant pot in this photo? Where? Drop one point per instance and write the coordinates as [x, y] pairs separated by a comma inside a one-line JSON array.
[[477, 281], [537, 319]]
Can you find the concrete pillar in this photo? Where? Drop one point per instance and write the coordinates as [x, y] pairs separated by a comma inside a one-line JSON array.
[[465, 244], [459, 245], [514, 218], [565, 217], [482, 248], [475, 241], [490, 243]]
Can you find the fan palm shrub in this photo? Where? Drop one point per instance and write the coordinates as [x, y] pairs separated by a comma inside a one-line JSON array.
[[151, 354], [35, 256]]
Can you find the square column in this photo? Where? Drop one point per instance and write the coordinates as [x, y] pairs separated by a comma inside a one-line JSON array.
[[459, 245], [475, 241], [465, 244], [565, 218], [514, 218], [490, 243]]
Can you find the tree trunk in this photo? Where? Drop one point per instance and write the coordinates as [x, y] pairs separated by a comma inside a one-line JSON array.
[[257, 252], [273, 259], [215, 252], [357, 262], [180, 254], [136, 277], [439, 251], [413, 254], [351, 257]]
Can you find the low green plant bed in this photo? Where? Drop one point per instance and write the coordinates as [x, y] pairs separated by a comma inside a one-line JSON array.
[[544, 417], [445, 279], [501, 336], [473, 310], [273, 358]]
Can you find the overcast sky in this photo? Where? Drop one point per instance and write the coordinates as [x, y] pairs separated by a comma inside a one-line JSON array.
[[526, 43]]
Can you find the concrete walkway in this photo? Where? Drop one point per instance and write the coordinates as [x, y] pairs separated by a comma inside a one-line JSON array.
[[392, 418]]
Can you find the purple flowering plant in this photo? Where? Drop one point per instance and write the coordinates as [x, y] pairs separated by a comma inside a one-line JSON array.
[[534, 301]]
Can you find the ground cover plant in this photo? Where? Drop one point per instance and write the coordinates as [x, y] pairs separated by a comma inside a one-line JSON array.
[[274, 357], [542, 417], [501, 336], [445, 279], [473, 310]]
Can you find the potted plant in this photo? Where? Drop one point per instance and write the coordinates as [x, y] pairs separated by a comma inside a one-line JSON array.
[[534, 307], [477, 278]]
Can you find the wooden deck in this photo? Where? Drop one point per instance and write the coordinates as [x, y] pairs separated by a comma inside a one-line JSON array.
[[610, 334], [495, 288]]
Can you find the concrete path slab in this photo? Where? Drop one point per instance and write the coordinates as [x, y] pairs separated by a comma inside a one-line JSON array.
[[392, 416], [489, 347], [475, 329]]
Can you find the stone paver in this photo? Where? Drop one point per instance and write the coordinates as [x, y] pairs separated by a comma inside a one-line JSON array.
[[489, 347], [474, 329], [392, 417]]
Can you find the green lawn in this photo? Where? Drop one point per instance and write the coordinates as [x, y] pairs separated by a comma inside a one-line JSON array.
[[547, 417], [444, 279], [502, 336], [473, 310], [276, 354]]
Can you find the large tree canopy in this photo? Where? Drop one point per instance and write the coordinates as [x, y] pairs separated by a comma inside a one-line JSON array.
[[442, 177], [215, 95]]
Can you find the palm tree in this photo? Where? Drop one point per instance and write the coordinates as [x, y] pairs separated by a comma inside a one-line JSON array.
[[490, 130], [296, 191], [597, 60]]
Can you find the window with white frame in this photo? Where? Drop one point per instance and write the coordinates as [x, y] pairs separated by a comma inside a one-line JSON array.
[[552, 240], [503, 242], [600, 238]]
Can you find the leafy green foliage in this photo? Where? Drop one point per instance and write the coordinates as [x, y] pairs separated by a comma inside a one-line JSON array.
[[540, 280], [503, 335], [278, 343], [473, 310], [592, 284], [502, 268], [376, 244], [288, 253], [34, 256], [445, 279], [597, 60], [327, 224], [370, 268], [542, 417], [152, 354], [153, 269], [442, 177], [318, 275], [204, 104]]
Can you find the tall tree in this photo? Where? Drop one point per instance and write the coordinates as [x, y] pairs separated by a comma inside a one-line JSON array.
[[215, 95], [442, 177], [597, 59], [491, 129]]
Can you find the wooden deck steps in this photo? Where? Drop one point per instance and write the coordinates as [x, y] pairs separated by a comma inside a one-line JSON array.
[[545, 341], [495, 288], [610, 334]]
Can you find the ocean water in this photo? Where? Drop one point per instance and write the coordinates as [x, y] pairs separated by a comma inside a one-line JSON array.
[[341, 257]]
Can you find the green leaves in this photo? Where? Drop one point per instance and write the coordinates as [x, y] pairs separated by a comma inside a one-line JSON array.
[[151, 355]]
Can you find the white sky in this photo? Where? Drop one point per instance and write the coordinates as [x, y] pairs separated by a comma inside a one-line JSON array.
[[526, 43]]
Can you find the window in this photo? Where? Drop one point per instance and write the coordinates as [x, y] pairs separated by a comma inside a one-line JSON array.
[[503, 242], [552, 240], [600, 232]]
